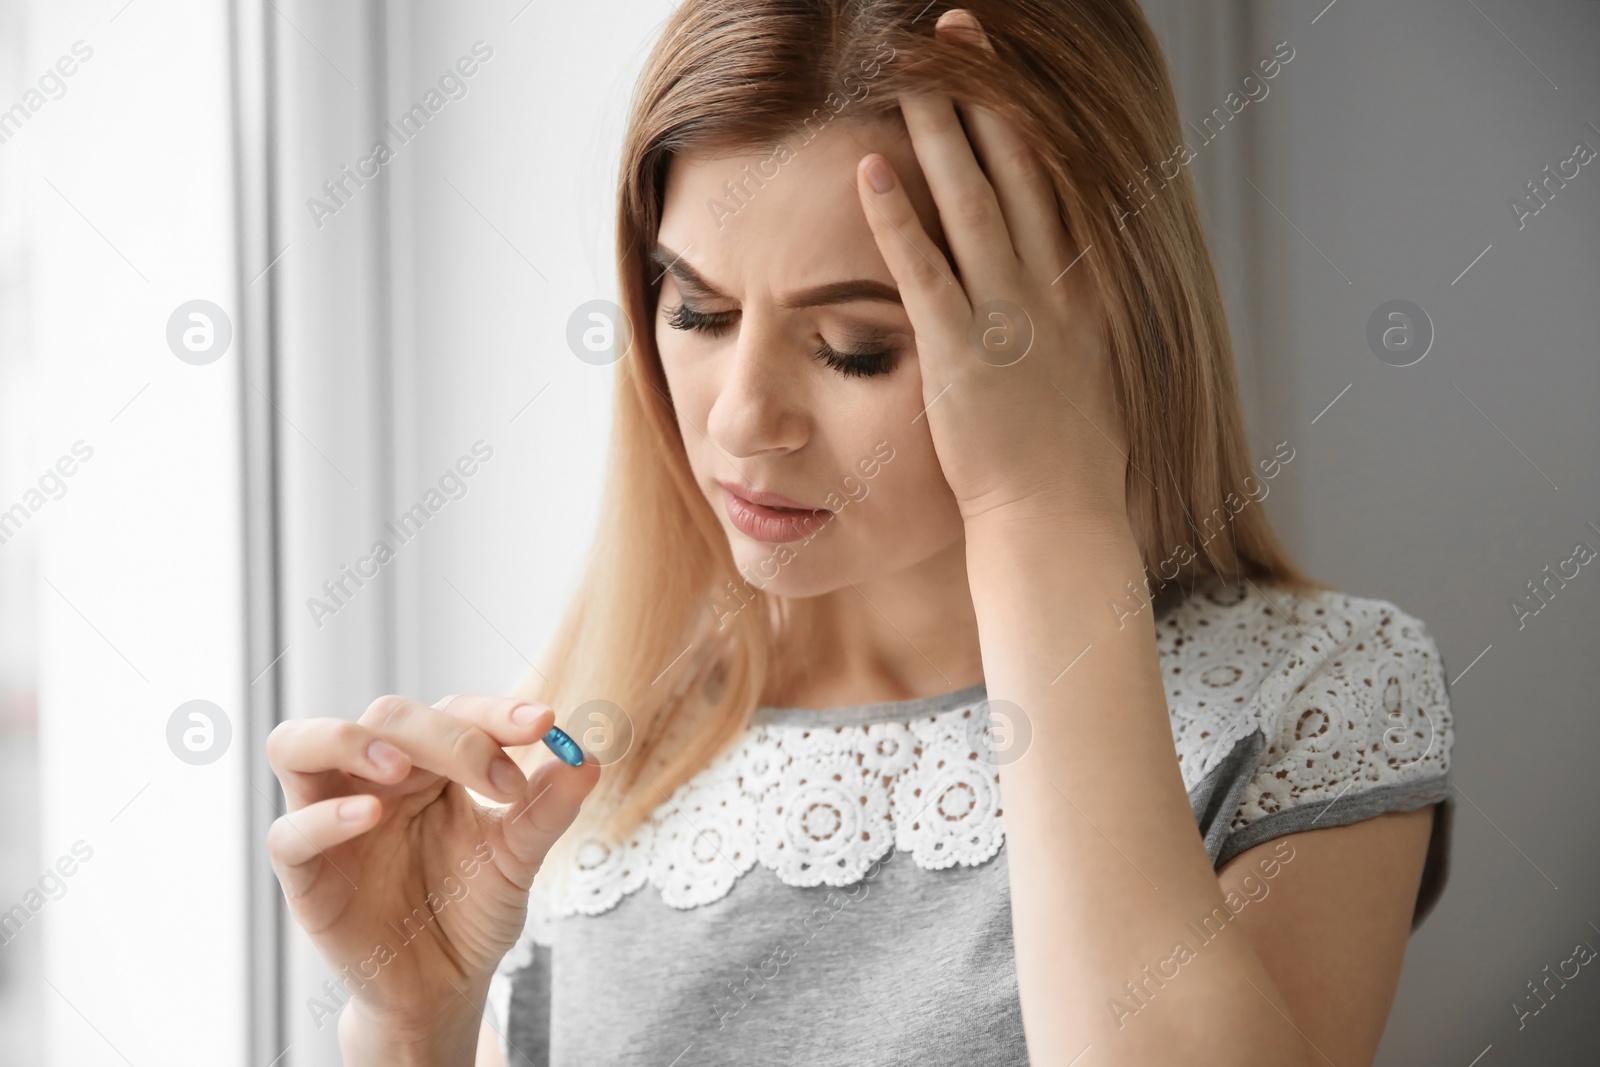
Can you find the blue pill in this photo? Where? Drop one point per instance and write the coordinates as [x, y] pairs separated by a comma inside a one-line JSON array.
[[563, 746]]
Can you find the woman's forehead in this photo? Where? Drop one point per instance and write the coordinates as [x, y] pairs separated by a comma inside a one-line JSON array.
[[785, 212]]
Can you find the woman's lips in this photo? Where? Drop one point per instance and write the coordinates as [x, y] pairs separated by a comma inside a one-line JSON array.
[[772, 525]]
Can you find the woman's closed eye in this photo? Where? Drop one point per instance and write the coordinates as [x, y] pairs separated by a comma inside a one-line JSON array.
[[684, 317], [856, 361]]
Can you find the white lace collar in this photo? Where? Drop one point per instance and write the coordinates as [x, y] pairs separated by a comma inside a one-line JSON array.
[[816, 796]]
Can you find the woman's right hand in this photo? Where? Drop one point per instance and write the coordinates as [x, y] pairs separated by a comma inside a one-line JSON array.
[[410, 889]]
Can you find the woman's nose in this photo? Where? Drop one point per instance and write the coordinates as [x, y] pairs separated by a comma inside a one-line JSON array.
[[760, 402]]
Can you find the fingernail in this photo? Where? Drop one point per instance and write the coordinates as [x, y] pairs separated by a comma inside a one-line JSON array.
[[525, 714], [506, 777], [354, 809], [562, 745], [385, 756], [879, 175]]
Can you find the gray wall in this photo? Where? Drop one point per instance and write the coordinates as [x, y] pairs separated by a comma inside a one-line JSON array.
[[1392, 145]]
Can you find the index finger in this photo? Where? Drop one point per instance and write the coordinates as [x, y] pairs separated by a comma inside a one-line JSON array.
[[454, 747], [509, 720], [933, 299]]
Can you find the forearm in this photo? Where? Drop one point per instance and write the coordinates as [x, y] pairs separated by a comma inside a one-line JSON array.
[[1105, 860]]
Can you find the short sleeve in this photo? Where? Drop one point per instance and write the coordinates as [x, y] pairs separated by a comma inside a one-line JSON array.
[[1354, 722]]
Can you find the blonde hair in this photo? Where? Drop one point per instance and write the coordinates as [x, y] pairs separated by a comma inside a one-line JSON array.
[[1085, 83]]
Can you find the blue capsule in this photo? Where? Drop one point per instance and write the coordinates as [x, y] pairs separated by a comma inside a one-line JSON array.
[[563, 746]]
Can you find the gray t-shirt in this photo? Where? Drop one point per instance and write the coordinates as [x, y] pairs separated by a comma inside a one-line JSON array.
[[833, 889]]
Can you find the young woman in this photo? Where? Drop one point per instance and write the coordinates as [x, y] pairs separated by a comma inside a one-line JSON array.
[[954, 698]]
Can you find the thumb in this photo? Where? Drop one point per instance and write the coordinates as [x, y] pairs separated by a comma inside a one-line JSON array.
[[547, 807]]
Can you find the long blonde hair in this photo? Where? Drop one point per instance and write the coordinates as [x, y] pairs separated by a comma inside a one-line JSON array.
[[1086, 84]]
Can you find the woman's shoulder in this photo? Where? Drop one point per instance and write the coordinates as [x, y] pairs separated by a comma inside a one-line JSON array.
[[1259, 646], [1306, 709], [1342, 687], [1272, 610]]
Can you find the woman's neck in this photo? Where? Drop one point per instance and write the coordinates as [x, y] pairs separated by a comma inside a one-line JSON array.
[[907, 635]]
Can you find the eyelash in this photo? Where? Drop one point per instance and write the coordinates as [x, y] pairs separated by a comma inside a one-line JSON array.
[[857, 364]]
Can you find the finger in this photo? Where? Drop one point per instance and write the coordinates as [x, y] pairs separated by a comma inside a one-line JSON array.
[[933, 299], [1023, 188], [509, 720], [555, 793], [300, 750], [446, 745], [969, 211], [297, 842]]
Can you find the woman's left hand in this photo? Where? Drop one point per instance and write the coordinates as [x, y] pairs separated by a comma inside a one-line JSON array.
[[1016, 374]]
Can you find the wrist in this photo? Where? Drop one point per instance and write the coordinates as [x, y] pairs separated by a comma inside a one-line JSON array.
[[1078, 558], [1095, 534], [446, 1038]]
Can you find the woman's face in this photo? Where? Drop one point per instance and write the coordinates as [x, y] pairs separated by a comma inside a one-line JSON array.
[[792, 365]]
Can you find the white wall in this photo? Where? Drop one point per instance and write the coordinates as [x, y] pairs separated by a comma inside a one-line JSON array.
[[129, 199], [533, 147], [426, 315]]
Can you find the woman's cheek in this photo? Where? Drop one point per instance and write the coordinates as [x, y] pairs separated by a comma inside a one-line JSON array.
[[687, 401]]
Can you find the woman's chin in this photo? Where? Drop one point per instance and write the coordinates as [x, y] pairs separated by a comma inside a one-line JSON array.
[[764, 568]]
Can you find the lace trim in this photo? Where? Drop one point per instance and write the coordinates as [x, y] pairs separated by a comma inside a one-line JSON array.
[[1346, 690]]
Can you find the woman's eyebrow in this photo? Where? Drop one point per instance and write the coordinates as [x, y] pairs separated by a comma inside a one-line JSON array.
[[816, 296]]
